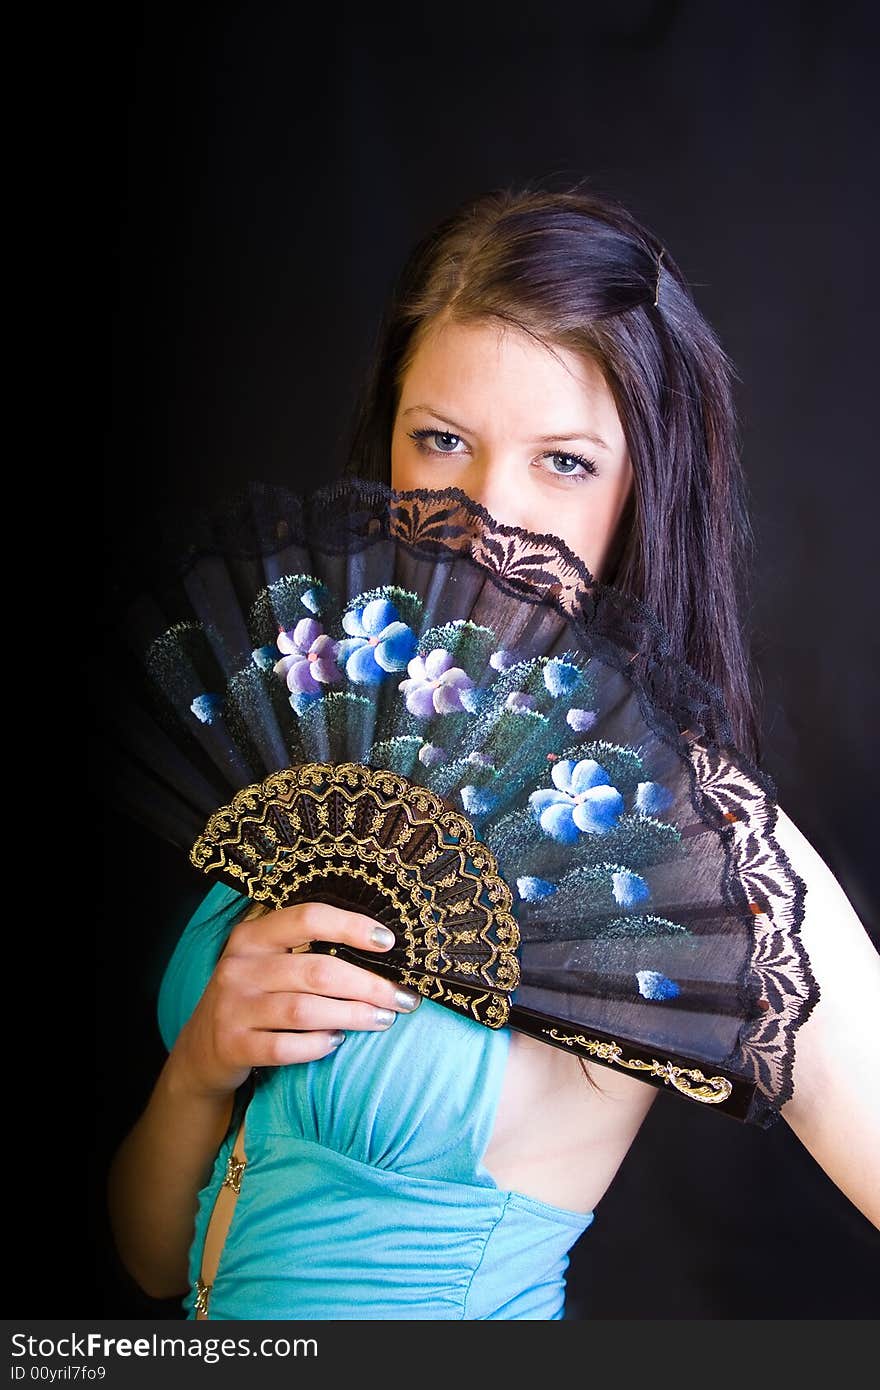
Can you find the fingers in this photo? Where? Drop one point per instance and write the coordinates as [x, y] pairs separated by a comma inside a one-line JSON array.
[[275, 1002], [283, 1049], [315, 974], [289, 928], [315, 1012]]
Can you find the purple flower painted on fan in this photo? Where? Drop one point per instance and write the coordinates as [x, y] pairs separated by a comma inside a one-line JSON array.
[[379, 643], [519, 700], [581, 800], [431, 753], [501, 659], [434, 685], [580, 719], [656, 987], [480, 759], [309, 660]]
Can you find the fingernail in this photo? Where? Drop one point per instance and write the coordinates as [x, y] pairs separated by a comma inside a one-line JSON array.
[[337, 1038], [385, 1017], [382, 937], [404, 1000]]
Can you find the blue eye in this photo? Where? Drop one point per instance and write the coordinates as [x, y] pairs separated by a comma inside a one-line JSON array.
[[419, 438], [574, 459]]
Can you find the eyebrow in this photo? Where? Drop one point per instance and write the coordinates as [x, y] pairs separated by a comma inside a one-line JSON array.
[[540, 439]]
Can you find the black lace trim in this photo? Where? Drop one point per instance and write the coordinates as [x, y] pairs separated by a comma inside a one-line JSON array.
[[260, 519]]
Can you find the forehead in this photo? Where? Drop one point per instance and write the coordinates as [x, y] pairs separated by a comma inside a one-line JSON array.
[[491, 376]]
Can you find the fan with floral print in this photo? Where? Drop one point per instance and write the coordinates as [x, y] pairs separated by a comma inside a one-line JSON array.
[[390, 702]]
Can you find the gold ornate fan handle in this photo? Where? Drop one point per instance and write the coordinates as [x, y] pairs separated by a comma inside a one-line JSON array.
[[487, 1006], [722, 1090]]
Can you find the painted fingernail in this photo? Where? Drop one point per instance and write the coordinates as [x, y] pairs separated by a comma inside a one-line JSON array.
[[385, 1017], [336, 1038], [381, 936], [404, 1000]]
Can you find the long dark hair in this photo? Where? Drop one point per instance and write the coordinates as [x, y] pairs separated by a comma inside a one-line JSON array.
[[576, 270]]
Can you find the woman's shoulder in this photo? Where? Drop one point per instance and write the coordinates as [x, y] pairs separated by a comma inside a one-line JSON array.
[[832, 932], [805, 859], [826, 900]]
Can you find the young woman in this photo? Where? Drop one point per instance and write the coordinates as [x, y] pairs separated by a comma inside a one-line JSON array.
[[542, 353]]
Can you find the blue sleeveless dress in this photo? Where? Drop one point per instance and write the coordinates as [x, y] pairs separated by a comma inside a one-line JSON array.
[[364, 1195]]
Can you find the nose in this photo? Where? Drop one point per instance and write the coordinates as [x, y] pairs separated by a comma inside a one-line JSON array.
[[496, 487]]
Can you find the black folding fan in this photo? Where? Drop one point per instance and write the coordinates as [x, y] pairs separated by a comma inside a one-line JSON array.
[[391, 702]]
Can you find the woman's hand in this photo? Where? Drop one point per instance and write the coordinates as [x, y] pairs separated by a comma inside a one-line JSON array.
[[267, 983]]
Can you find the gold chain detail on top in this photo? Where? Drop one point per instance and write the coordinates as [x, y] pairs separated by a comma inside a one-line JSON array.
[[711, 1090], [234, 1169], [232, 1179]]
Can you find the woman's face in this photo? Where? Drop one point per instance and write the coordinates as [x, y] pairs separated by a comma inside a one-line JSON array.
[[535, 438]]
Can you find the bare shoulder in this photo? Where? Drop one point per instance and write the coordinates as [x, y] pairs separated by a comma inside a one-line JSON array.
[[805, 858], [828, 913]]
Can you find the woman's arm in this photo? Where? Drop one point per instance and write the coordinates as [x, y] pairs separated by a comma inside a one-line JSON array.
[[155, 1178], [835, 1108]]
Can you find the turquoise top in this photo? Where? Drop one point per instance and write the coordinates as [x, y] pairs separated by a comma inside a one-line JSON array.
[[364, 1194]]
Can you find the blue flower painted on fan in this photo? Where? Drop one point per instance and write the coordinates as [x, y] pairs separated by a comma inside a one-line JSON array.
[[207, 707], [379, 643], [434, 685], [655, 986], [629, 888], [561, 677], [581, 800], [301, 700], [309, 660], [532, 889], [265, 657], [652, 798], [316, 597], [477, 801]]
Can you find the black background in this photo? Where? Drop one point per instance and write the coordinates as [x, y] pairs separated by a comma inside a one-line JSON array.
[[251, 179]]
